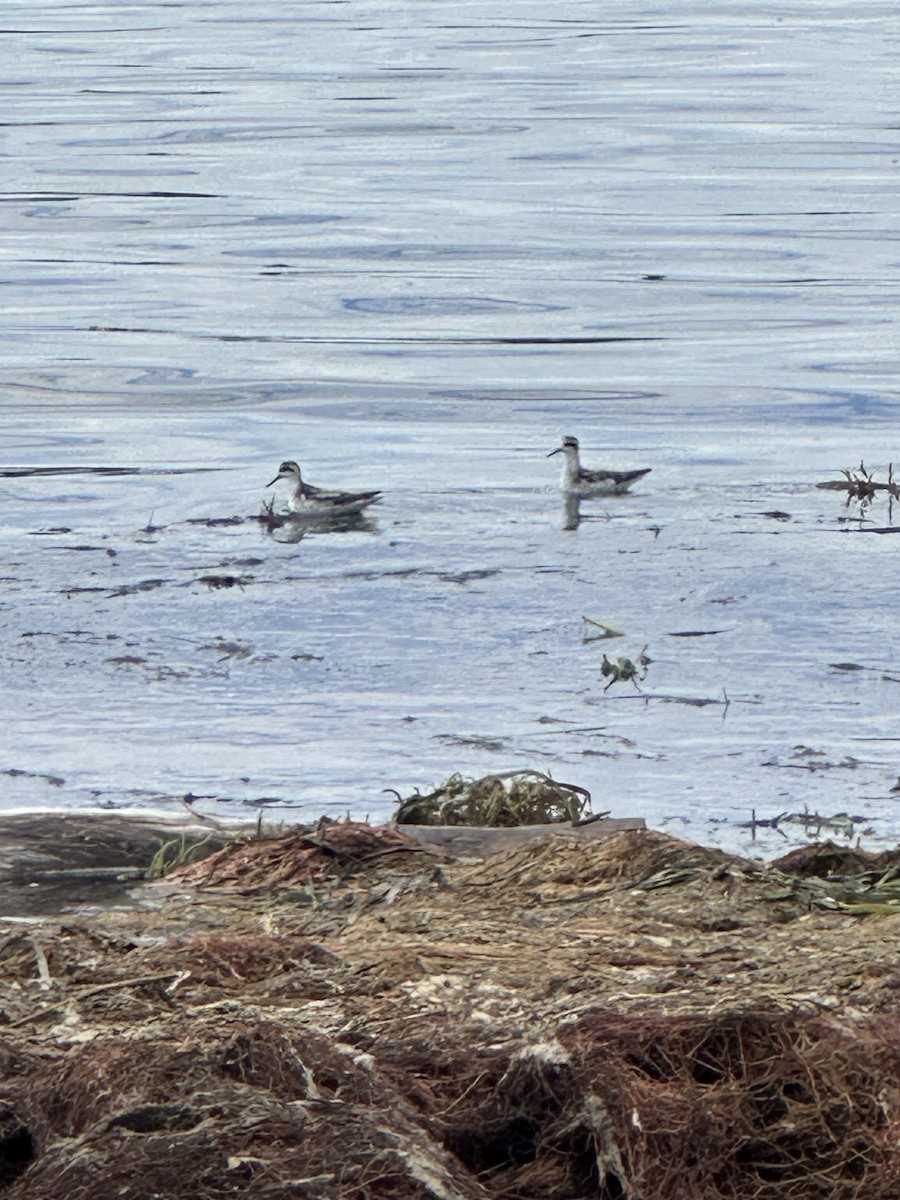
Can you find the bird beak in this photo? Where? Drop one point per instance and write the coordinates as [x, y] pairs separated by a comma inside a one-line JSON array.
[[275, 480], [558, 450]]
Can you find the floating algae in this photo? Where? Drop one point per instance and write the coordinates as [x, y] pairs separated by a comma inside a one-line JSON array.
[[625, 670]]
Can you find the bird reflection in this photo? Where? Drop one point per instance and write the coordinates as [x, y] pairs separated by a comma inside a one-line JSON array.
[[288, 527], [571, 511]]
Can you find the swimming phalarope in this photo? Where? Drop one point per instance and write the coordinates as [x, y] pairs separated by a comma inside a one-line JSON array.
[[308, 501], [576, 481]]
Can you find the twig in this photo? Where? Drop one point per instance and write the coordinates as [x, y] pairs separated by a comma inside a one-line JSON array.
[[763, 823], [42, 965], [94, 990], [591, 819], [478, 1078]]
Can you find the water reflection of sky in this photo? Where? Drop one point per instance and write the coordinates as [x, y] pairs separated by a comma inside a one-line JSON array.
[[412, 257]]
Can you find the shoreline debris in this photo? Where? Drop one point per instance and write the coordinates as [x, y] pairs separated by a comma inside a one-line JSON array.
[[633, 1016], [503, 799]]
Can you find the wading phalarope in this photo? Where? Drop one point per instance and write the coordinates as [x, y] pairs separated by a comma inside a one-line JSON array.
[[304, 500], [576, 481]]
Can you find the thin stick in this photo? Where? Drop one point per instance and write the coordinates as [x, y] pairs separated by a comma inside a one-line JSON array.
[[42, 965], [91, 991]]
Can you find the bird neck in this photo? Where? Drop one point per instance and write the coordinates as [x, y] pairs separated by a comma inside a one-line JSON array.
[[570, 468]]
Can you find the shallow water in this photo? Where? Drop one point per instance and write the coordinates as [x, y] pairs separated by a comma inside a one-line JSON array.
[[412, 255]]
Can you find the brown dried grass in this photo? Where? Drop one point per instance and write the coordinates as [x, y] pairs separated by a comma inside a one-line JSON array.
[[299, 857], [629, 1019]]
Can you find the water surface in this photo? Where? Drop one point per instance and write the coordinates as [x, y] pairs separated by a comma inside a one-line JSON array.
[[410, 247]]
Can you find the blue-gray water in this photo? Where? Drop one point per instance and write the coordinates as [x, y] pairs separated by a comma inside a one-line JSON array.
[[411, 245]]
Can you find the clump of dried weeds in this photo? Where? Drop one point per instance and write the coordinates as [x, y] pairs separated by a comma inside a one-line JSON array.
[[501, 800]]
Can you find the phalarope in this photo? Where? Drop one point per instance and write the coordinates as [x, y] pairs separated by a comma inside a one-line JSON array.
[[305, 500], [576, 481]]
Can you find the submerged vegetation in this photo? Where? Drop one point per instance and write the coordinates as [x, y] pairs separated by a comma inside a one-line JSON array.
[[621, 669], [862, 486], [625, 670]]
